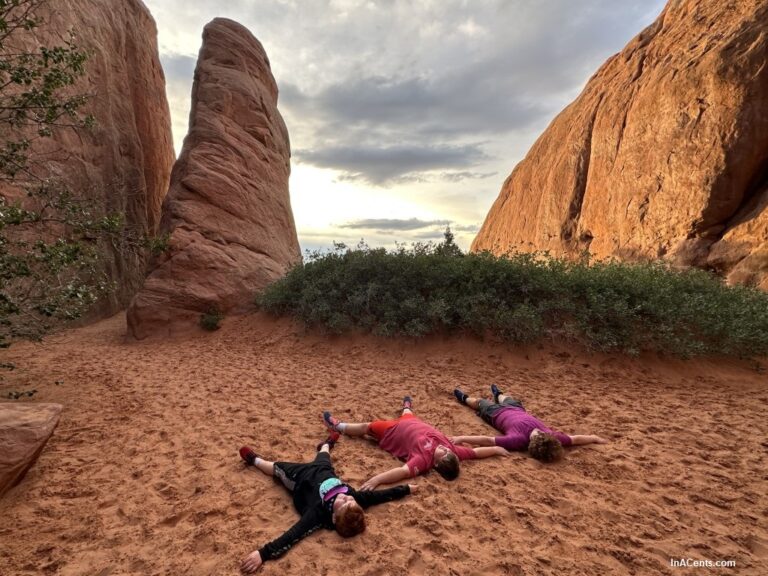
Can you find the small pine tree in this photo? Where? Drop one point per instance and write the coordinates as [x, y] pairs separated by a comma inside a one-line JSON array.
[[448, 246]]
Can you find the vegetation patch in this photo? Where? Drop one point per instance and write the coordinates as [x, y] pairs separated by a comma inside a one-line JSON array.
[[211, 320], [522, 297]]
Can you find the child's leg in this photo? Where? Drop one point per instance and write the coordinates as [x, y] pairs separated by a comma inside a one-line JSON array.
[[465, 399], [472, 402], [328, 444], [289, 472], [265, 466], [350, 429]]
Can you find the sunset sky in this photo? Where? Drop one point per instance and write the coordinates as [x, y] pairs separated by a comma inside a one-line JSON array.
[[406, 116]]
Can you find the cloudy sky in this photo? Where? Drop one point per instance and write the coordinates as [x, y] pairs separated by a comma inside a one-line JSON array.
[[406, 116]]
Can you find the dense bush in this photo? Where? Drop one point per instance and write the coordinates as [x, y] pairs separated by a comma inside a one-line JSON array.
[[211, 320], [605, 305]]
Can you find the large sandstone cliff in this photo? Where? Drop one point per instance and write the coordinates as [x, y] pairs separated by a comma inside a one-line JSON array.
[[663, 155], [124, 163], [228, 212]]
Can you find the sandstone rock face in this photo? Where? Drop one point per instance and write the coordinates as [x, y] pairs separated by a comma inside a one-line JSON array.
[[228, 211], [24, 430], [124, 163], [663, 155]]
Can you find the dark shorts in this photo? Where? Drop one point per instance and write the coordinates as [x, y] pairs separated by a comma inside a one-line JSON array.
[[487, 409], [291, 473]]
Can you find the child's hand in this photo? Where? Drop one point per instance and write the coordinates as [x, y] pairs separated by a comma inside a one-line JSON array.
[[369, 485], [251, 563]]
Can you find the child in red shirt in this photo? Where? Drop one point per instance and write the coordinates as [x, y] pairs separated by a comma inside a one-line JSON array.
[[409, 438]]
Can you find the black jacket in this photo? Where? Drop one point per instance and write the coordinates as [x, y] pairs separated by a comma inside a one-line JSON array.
[[314, 513]]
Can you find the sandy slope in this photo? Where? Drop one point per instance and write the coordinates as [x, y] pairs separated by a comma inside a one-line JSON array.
[[142, 475]]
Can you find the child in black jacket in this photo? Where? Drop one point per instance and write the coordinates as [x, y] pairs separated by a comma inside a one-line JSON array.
[[320, 497]]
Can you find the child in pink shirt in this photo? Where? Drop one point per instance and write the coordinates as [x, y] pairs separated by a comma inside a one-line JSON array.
[[519, 430]]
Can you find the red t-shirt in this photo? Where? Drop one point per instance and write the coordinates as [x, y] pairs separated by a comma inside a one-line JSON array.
[[415, 441]]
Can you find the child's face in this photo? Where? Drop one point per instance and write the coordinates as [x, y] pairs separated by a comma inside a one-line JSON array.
[[342, 501], [440, 453]]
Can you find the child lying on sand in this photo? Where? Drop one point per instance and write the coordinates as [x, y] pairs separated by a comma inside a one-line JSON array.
[[322, 499], [409, 438], [520, 430]]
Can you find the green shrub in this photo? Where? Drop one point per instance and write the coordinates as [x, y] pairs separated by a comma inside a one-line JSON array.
[[605, 305], [157, 244], [211, 320]]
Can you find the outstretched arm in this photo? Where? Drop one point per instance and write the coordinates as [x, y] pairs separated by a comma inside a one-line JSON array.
[[582, 440], [474, 440], [490, 451], [388, 477], [368, 498], [308, 523]]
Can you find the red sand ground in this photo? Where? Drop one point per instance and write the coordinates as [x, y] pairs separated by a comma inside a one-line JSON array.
[[142, 475]]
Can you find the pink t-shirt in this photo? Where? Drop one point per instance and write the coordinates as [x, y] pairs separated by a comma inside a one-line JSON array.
[[415, 441], [516, 426]]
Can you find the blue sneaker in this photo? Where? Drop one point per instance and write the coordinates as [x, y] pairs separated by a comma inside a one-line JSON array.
[[460, 396], [330, 421], [496, 393], [407, 402]]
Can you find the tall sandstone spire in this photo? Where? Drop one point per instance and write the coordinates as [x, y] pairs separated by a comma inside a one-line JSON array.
[[227, 212], [663, 155]]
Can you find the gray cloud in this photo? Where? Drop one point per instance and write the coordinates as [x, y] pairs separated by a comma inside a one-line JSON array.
[[465, 175], [380, 165], [178, 67], [468, 104], [495, 79], [473, 228], [393, 224]]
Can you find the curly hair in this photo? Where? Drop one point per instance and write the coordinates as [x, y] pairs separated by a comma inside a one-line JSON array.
[[350, 521], [448, 466], [545, 447]]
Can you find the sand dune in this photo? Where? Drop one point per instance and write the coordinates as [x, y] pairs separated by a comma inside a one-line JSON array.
[[142, 475]]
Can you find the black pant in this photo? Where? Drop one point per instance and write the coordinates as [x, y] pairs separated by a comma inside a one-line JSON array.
[[293, 473]]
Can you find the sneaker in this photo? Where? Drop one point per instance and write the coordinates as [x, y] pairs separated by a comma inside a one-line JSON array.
[[247, 453], [496, 393], [460, 396], [333, 437], [330, 421], [407, 402]]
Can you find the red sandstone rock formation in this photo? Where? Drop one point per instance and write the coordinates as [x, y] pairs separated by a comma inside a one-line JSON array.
[[124, 163], [24, 431], [228, 211], [663, 155]]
